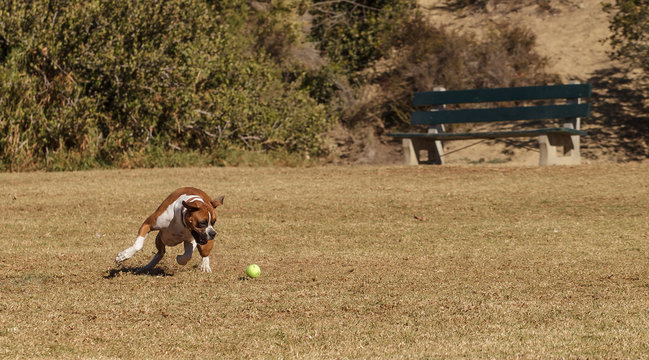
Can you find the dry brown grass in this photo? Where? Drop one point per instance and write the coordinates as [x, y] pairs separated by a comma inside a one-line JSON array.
[[357, 262]]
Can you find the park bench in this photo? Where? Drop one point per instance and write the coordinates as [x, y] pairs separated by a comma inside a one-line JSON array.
[[557, 145]]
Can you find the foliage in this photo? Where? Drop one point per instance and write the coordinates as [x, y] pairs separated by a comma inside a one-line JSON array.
[[356, 33], [630, 32], [167, 83], [109, 80]]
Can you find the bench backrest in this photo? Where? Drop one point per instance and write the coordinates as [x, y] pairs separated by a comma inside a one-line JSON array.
[[572, 109]]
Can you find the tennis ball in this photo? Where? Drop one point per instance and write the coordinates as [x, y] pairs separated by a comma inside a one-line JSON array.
[[253, 271]]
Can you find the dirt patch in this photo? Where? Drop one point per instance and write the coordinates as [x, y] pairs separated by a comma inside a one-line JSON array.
[[569, 33]]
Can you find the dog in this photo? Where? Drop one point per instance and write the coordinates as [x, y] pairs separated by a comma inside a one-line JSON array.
[[186, 216]]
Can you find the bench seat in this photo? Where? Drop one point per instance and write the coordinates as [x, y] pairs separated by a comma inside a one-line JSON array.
[[491, 134]]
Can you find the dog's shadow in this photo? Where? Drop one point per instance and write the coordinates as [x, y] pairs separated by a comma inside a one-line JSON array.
[[113, 273]]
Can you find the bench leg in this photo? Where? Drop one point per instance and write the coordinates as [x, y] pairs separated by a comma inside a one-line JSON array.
[[548, 145], [412, 148], [436, 152], [409, 152]]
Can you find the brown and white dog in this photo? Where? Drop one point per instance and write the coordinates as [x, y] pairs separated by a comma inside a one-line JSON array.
[[186, 216]]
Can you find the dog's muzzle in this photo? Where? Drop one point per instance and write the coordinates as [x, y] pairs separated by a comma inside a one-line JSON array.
[[203, 237]]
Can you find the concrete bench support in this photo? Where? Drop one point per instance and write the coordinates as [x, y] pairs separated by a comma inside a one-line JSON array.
[[412, 148], [551, 154]]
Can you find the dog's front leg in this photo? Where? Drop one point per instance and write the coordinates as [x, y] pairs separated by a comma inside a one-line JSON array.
[[204, 250], [189, 250]]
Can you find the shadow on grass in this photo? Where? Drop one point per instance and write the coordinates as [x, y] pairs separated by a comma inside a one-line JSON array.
[[112, 273], [620, 114]]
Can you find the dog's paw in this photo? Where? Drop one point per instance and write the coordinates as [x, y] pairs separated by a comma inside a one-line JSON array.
[[206, 268], [205, 265], [121, 257], [182, 260]]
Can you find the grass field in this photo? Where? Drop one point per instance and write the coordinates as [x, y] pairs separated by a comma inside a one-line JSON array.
[[357, 262]]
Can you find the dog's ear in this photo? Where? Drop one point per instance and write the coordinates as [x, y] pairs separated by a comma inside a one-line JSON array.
[[190, 206], [218, 201]]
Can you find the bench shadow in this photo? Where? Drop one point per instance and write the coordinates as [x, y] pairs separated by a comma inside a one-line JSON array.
[[112, 273]]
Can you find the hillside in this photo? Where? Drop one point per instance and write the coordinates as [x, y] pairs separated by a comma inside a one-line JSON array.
[[571, 34]]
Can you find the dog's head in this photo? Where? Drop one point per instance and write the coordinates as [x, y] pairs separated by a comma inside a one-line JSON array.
[[200, 218]]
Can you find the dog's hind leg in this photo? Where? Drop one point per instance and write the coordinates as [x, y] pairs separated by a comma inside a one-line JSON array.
[[137, 245], [158, 256]]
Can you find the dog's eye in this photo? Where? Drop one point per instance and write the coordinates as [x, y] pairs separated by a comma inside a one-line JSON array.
[[202, 224]]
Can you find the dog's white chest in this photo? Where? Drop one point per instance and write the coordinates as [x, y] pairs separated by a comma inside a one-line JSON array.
[[170, 222]]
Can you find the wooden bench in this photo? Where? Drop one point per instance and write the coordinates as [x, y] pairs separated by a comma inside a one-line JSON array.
[[566, 136]]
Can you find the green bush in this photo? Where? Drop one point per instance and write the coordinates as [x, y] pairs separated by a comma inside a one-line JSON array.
[[108, 80], [140, 83], [630, 32], [355, 34]]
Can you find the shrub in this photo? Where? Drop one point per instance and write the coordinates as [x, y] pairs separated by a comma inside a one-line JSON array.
[[111, 79], [355, 34], [630, 32]]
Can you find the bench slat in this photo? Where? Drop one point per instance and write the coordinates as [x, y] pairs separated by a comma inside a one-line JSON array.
[[502, 94], [491, 135], [500, 114]]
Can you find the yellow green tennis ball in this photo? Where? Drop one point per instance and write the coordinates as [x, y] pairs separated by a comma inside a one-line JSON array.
[[253, 271]]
